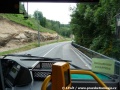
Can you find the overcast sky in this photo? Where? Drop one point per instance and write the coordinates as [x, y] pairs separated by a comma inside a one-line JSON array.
[[53, 11]]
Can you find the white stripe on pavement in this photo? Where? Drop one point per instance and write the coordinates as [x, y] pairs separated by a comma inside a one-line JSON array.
[[44, 55], [82, 59]]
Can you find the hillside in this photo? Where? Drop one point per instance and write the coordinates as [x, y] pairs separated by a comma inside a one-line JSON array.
[[30, 22], [15, 32]]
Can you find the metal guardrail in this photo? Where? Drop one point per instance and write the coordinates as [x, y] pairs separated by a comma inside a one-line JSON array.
[[92, 54]]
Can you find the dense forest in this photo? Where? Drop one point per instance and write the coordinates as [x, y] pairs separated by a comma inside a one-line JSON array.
[[94, 26]]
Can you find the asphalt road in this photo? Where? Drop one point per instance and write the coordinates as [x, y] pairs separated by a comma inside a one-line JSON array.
[[63, 50]]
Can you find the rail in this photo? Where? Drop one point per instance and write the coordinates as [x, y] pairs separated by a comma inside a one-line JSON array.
[[92, 54]]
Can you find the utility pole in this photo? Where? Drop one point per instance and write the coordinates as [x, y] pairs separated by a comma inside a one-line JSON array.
[[58, 32], [38, 32], [38, 37], [57, 37]]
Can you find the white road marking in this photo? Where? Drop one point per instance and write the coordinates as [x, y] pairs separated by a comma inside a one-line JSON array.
[[82, 59], [45, 55], [83, 55]]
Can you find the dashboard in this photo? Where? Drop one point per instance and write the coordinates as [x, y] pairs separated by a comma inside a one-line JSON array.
[[14, 74], [17, 75]]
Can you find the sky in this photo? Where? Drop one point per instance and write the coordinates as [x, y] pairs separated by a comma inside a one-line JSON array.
[[52, 11]]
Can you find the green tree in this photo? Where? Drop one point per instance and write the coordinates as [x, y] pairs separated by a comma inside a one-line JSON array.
[[39, 16], [22, 8], [94, 26], [61, 29]]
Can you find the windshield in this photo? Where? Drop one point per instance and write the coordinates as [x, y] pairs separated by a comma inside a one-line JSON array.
[[80, 32]]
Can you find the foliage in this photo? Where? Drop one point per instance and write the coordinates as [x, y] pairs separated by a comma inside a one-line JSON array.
[[22, 8], [39, 16], [62, 29], [94, 26], [30, 22]]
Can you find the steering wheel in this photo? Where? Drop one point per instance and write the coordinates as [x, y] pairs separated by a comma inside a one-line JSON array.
[[48, 78]]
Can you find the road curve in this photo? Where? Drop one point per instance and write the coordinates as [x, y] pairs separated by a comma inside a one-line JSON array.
[[63, 50]]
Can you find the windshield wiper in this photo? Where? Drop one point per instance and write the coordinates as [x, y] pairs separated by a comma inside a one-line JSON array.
[[54, 59], [20, 55], [46, 59], [36, 58]]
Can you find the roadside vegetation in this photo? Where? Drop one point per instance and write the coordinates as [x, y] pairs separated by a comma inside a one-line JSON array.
[[94, 27], [31, 46], [37, 20], [30, 22], [62, 29]]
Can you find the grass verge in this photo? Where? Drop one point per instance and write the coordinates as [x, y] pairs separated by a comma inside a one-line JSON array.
[[30, 46], [30, 22]]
